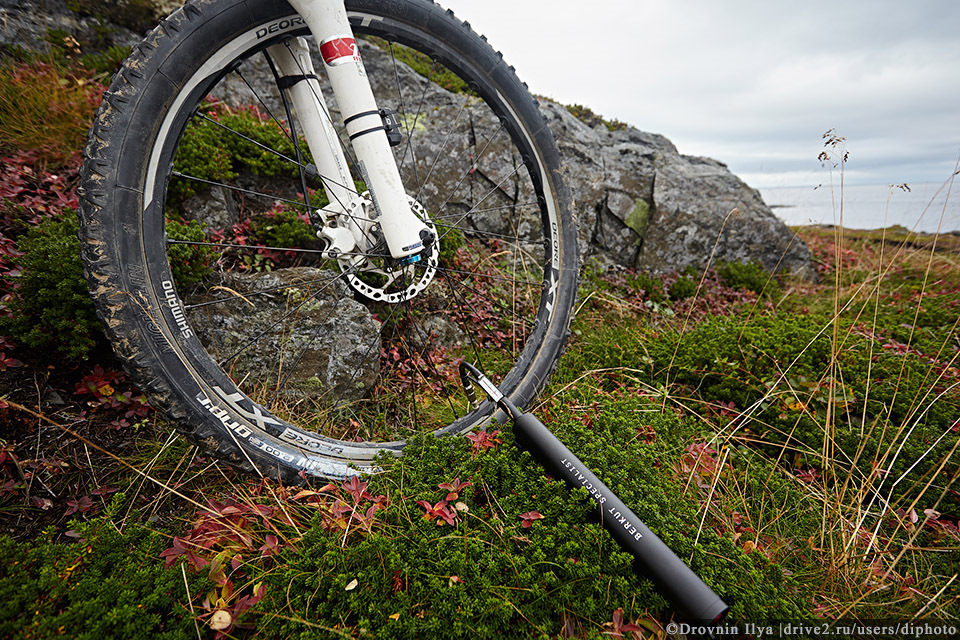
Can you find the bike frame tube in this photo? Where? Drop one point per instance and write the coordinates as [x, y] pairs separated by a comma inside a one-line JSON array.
[[327, 20]]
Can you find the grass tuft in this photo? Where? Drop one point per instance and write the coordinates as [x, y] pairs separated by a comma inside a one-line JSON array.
[[45, 107]]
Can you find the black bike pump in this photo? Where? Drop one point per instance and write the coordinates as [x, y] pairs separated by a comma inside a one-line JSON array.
[[693, 599]]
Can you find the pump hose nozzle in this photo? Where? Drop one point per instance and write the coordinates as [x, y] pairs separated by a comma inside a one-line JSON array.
[[685, 591]]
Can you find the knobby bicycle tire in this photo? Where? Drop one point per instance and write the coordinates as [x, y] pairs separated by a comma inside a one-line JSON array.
[[341, 360]]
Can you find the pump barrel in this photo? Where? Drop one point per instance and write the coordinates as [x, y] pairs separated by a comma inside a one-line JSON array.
[[693, 599]]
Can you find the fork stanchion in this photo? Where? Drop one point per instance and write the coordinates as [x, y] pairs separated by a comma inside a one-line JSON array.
[[681, 587]]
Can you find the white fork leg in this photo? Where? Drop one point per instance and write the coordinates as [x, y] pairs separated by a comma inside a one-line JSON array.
[[295, 67], [405, 234]]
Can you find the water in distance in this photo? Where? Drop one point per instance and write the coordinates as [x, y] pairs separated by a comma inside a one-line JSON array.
[[868, 206]]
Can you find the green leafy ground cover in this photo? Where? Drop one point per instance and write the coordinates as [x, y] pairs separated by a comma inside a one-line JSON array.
[[794, 442]]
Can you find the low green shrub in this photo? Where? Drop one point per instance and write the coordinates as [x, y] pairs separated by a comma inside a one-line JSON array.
[[189, 263], [884, 398], [108, 585], [451, 239], [283, 227], [423, 65], [779, 368], [588, 116], [212, 150], [683, 287], [105, 61], [650, 287], [518, 557], [51, 306], [750, 276]]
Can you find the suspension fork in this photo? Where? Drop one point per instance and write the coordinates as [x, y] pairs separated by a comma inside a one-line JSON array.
[[405, 234]]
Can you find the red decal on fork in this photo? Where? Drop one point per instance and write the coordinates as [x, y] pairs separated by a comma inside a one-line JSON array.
[[338, 50]]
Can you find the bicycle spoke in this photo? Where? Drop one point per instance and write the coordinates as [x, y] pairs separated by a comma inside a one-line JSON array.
[[491, 209], [493, 302], [486, 195], [228, 245], [413, 127], [256, 94], [281, 383], [260, 247], [487, 276], [287, 134], [476, 159], [249, 192], [425, 354], [293, 136], [206, 118], [443, 146], [475, 347]]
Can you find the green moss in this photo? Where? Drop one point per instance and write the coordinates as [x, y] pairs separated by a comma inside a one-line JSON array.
[[639, 217]]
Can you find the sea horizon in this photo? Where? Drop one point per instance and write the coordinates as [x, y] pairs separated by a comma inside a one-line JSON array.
[[926, 207]]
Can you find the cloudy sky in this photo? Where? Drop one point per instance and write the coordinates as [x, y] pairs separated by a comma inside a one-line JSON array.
[[754, 84]]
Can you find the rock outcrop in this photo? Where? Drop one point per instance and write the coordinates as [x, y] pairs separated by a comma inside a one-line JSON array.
[[642, 204]]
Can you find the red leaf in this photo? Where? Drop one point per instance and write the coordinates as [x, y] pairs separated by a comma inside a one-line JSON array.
[[41, 503], [440, 510], [270, 545], [483, 440], [617, 627], [529, 518]]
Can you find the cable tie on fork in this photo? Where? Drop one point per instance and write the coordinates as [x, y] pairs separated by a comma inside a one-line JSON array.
[[288, 81]]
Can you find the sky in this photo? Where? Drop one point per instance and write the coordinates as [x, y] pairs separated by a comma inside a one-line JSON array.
[[754, 84]]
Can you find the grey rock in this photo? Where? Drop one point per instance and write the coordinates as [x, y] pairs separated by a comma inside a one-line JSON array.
[[215, 209], [298, 327], [639, 202], [642, 204], [27, 23]]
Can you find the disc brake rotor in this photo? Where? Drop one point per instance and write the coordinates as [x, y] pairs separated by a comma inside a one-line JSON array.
[[373, 272]]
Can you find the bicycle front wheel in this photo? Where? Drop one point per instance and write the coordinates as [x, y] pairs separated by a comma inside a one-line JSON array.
[[199, 220]]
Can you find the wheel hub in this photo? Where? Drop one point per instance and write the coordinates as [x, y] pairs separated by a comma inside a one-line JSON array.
[[356, 241]]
